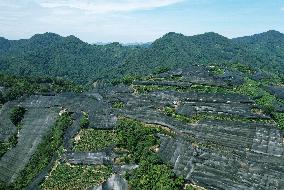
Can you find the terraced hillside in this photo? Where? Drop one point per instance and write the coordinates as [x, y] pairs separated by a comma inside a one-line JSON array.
[[41, 114], [35, 125], [223, 139], [212, 130]]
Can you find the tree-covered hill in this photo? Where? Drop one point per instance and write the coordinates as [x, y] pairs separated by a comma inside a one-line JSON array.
[[70, 58], [52, 55], [177, 50], [264, 50], [267, 48]]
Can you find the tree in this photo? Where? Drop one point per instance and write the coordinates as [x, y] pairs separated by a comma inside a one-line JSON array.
[[17, 114]]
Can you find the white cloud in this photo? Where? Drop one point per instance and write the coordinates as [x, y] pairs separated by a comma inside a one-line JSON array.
[[104, 6], [90, 20]]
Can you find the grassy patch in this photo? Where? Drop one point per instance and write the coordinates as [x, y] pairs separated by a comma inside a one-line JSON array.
[[193, 88], [209, 116], [118, 105], [209, 89], [145, 89], [94, 140], [66, 176]]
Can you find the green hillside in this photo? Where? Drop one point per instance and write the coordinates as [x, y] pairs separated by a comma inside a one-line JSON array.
[[70, 58]]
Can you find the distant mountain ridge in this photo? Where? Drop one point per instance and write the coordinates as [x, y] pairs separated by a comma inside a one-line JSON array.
[[68, 57]]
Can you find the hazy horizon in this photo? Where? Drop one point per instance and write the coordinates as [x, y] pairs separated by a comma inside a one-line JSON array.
[[138, 21]]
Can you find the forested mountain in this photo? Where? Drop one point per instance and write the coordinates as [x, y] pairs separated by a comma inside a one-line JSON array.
[[267, 48], [177, 50], [68, 57], [52, 55]]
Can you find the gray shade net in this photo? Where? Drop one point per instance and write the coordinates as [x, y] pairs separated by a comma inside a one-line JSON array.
[[245, 152]]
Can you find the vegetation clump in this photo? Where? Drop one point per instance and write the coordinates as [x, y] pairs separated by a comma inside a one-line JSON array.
[[18, 86], [140, 141], [263, 98], [5, 146], [85, 122], [94, 140], [279, 118], [66, 176], [154, 176], [17, 114], [118, 105]]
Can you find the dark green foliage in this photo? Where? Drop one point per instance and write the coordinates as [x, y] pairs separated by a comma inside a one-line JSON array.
[[84, 122], [154, 176], [67, 57], [279, 118], [94, 140], [178, 51], [4, 186], [5, 146], [246, 69], [55, 56], [128, 79], [76, 177], [19, 86], [17, 114], [262, 98], [44, 153], [159, 70], [140, 141], [266, 49]]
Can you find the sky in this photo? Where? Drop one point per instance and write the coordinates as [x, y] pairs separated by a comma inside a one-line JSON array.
[[129, 21]]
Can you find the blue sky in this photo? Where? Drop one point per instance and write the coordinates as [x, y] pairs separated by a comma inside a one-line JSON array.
[[138, 20]]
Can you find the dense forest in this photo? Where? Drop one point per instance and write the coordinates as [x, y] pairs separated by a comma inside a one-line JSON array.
[[70, 58], [15, 86]]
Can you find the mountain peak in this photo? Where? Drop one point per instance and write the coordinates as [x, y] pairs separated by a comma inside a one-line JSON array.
[[273, 32], [210, 35], [46, 38], [172, 34], [73, 38], [3, 39], [270, 34], [46, 35]]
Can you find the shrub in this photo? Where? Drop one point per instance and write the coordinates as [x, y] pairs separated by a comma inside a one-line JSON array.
[[17, 114], [84, 122], [154, 176]]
